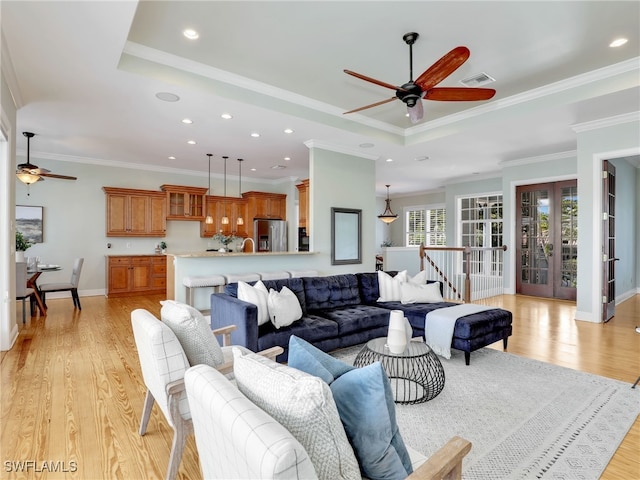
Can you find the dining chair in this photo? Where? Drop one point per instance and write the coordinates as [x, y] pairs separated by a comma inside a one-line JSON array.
[[22, 291], [72, 286]]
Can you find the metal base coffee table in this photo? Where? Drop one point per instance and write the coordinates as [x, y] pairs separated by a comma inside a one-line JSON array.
[[416, 375]]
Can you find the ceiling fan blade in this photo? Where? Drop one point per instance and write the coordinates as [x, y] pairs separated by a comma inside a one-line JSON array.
[[53, 175], [372, 80], [372, 105], [443, 68], [459, 94], [416, 112]]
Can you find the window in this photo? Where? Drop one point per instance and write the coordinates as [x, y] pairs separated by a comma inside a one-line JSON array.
[[481, 226], [425, 225]]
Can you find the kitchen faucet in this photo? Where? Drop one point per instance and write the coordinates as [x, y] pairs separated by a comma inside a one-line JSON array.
[[253, 245]]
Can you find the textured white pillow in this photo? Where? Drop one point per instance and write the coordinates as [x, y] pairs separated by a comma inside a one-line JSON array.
[[414, 293], [304, 405], [256, 294], [193, 332], [389, 287], [420, 278], [284, 307]]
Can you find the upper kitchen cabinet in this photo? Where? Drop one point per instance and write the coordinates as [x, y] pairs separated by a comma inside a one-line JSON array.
[[303, 204], [135, 213], [184, 203], [266, 205], [234, 208]]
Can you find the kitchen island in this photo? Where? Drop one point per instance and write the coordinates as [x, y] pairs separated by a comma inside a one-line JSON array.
[[180, 265]]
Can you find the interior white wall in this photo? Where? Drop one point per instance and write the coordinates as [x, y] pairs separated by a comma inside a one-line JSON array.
[[346, 181], [597, 141], [8, 326]]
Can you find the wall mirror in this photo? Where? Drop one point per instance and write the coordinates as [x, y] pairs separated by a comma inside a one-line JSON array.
[[346, 236]]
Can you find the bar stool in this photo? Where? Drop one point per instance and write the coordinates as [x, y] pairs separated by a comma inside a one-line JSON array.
[[303, 273], [209, 281], [241, 277], [274, 275]]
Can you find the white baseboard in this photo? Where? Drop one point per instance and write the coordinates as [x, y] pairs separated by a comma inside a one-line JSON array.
[[626, 296], [586, 317]]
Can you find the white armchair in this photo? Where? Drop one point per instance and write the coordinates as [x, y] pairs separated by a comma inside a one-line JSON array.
[[163, 363], [237, 439]]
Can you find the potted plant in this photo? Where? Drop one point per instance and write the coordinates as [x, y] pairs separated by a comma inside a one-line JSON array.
[[163, 246], [22, 243], [225, 240]]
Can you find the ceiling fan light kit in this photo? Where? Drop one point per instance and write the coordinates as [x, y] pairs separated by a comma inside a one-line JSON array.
[[388, 216], [412, 92]]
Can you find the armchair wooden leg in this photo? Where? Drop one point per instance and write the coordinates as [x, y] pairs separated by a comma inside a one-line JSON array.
[[181, 431], [146, 412]]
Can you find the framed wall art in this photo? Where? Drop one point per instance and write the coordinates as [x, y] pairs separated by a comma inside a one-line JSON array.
[[29, 222]]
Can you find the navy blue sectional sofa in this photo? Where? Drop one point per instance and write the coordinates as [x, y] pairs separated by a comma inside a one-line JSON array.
[[342, 310]]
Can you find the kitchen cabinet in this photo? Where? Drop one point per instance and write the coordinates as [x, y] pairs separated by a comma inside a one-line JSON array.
[[217, 207], [135, 213], [264, 205], [303, 204], [129, 275], [184, 203]]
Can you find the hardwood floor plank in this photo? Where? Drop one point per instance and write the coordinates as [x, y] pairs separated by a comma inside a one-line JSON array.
[[72, 390]]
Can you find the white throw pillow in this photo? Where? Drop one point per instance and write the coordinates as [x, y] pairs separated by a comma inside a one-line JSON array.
[[389, 287], [284, 307], [420, 278], [304, 405], [193, 332], [256, 294], [414, 293]]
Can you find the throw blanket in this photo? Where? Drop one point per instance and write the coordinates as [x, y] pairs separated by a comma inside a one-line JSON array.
[[439, 325]]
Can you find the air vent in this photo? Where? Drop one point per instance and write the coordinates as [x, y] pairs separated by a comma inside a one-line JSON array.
[[278, 167], [477, 80]]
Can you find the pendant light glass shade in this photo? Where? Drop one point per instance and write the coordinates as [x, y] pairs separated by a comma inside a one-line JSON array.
[[209, 219], [225, 218], [240, 220], [388, 216]]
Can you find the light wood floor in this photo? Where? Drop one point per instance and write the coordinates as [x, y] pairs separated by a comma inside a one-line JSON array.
[[72, 391]]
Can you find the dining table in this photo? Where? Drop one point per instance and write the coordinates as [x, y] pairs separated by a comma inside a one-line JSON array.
[[32, 282]]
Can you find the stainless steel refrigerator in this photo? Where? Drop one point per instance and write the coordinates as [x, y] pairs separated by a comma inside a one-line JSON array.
[[270, 235]]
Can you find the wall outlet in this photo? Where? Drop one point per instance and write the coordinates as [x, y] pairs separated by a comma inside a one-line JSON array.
[[128, 244]]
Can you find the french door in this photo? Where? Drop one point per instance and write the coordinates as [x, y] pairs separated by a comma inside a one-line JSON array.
[[609, 241], [547, 239]]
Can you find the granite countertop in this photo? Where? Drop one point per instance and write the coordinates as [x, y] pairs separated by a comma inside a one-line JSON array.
[[234, 254]]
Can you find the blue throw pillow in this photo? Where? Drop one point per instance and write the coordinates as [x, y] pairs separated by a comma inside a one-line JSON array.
[[365, 403]]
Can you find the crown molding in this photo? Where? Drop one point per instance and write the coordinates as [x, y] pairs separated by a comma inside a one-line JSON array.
[[606, 122], [569, 154], [339, 149]]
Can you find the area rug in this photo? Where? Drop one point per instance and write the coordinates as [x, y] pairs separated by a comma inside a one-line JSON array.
[[526, 419]]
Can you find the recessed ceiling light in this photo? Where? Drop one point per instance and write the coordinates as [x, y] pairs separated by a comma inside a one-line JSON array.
[[288, 130], [191, 142], [253, 169], [190, 33], [287, 158], [255, 134], [618, 42], [389, 160], [172, 157], [188, 121], [167, 97], [366, 145], [226, 116]]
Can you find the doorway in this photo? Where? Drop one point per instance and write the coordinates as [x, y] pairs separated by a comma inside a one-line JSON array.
[[547, 239]]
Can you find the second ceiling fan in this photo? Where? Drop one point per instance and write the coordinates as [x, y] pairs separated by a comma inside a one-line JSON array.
[[412, 92]]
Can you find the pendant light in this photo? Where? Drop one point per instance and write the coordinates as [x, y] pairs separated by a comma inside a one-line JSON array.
[[225, 219], [209, 219], [240, 220], [388, 216]]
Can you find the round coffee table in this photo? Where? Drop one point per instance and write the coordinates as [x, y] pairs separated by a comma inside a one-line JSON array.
[[416, 375]]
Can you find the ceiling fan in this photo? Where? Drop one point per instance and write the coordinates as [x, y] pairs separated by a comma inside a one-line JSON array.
[[28, 173], [412, 92]]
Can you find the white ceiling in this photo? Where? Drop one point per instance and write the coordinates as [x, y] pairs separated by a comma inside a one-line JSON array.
[[85, 75]]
